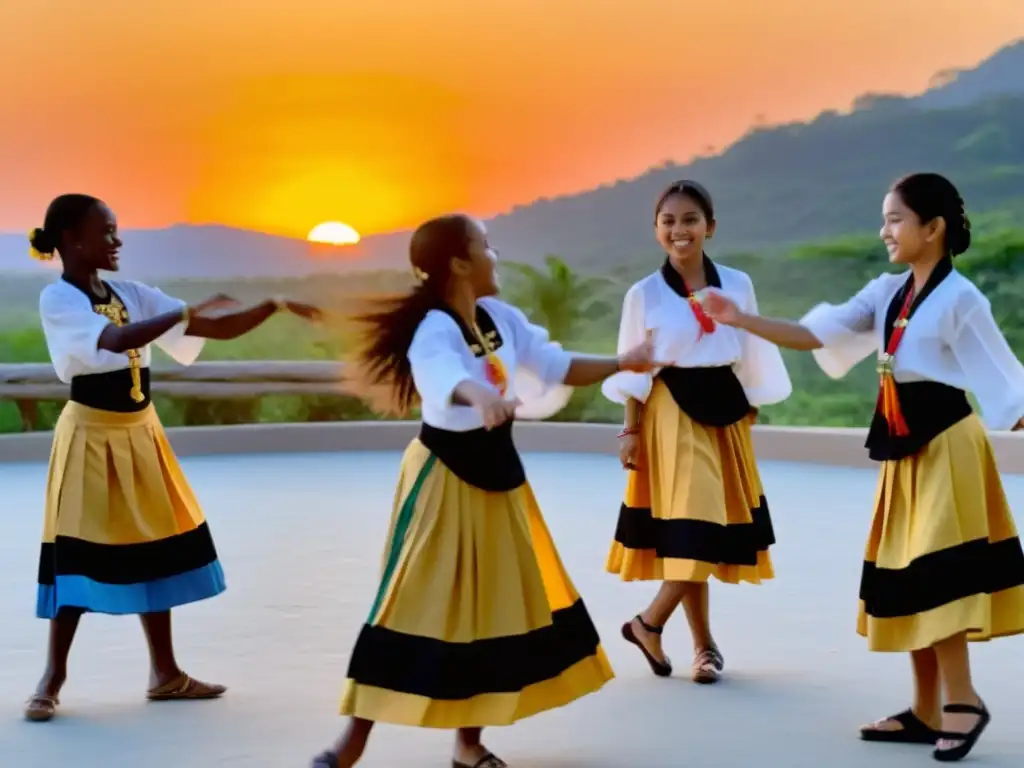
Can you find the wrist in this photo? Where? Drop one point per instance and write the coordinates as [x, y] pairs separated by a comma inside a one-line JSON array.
[[186, 314]]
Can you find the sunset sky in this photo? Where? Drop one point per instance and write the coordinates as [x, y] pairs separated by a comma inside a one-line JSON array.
[[274, 115]]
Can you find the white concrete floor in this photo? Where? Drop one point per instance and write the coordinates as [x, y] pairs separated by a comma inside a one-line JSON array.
[[300, 537]]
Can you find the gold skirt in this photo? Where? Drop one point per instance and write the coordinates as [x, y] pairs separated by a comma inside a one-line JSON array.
[[943, 555], [122, 532], [476, 622], [695, 507]]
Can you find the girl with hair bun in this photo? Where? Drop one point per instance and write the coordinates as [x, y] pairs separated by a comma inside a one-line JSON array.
[[475, 622], [943, 563], [123, 532], [694, 506]]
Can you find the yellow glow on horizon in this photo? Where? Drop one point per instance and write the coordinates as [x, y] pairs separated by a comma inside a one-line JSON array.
[[333, 233]]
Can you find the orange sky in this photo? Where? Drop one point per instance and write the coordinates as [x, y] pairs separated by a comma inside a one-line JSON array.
[[278, 114]]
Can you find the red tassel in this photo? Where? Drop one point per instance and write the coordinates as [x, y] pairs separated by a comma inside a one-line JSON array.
[[889, 406]]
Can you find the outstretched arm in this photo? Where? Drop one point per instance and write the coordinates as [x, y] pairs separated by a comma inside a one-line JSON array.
[[784, 333], [233, 325], [135, 335]]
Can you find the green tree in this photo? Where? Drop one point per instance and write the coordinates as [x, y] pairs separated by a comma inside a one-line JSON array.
[[558, 298]]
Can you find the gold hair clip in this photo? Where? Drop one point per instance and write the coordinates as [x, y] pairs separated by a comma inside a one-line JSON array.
[[420, 275], [35, 254]]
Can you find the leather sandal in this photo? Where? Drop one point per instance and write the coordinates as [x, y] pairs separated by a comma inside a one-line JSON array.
[[660, 668], [707, 666], [914, 730], [185, 687], [40, 707], [967, 740], [490, 760]]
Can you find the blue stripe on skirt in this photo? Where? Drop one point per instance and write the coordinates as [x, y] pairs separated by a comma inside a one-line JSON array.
[[74, 591]]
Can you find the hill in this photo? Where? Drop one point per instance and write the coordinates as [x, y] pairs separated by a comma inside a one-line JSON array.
[[775, 187]]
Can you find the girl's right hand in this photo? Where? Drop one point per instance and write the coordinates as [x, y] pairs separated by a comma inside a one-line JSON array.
[[495, 409], [719, 307], [629, 450]]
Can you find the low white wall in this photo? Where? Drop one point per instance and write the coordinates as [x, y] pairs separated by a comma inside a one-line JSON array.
[[814, 445]]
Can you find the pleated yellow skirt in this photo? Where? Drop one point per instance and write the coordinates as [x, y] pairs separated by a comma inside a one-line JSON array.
[[943, 556], [476, 622], [122, 532], [695, 507]]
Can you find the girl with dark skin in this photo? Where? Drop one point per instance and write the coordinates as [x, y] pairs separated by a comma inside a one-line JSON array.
[[476, 623], [93, 328], [943, 565]]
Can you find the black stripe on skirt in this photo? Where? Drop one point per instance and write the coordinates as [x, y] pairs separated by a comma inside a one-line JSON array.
[[938, 578], [426, 666], [126, 563], [687, 539]]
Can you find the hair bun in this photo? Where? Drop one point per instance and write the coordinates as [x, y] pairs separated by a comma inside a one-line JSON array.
[[41, 247]]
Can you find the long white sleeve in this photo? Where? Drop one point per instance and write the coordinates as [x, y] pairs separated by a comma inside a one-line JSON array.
[[846, 331], [182, 348], [437, 360], [627, 385], [761, 370], [72, 330], [993, 372]]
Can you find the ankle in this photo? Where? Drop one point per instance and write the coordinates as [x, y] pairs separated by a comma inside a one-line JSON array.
[[52, 681]]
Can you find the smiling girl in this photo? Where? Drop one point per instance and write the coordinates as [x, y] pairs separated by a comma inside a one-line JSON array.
[[943, 563], [123, 532], [475, 622], [694, 507]]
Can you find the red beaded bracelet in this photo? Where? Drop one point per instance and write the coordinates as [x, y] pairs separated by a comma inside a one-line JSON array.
[[629, 431]]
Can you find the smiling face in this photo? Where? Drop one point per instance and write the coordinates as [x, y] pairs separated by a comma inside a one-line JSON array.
[[681, 227], [906, 237], [479, 265], [94, 243]]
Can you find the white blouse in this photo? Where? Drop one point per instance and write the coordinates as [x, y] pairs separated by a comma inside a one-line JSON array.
[[73, 329], [441, 360], [951, 338], [652, 305]]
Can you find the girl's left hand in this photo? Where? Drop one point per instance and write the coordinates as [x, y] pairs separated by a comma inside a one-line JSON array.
[[1018, 426]]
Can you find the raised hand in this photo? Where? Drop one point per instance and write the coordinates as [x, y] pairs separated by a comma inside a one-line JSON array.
[[216, 303], [306, 311], [719, 307], [640, 358]]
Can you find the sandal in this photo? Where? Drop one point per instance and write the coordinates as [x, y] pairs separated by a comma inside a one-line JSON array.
[[185, 687], [707, 666], [914, 730], [40, 707], [490, 760], [660, 668], [325, 760], [967, 740]]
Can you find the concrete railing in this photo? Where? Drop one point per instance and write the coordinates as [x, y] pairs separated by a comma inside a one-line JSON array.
[[812, 445]]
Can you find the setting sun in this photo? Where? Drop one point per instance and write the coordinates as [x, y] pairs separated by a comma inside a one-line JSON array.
[[333, 233]]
